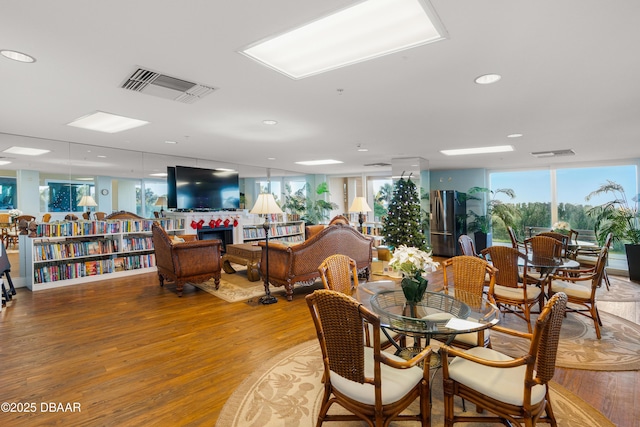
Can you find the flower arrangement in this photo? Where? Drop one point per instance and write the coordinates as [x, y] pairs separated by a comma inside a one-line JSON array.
[[15, 212], [562, 227], [412, 263]]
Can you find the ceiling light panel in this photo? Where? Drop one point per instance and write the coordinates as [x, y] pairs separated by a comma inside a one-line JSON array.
[[26, 151], [477, 150], [367, 30], [106, 122], [318, 162]]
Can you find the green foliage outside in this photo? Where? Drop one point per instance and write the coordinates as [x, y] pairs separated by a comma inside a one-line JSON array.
[[317, 208], [402, 225]]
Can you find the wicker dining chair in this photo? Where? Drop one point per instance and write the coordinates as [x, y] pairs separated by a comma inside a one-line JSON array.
[[467, 247], [373, 385], [564, 239], [588, 257], [513, 389], [340, 273], [582, 298], [469, 274], [514, 240], [512, 290]]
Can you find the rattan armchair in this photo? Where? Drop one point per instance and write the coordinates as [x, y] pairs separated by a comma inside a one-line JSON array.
[[374, 386], [580, 287], [564, 240], [512, 389], [340, 273], [515, 243], [469, 274], [512, 290]]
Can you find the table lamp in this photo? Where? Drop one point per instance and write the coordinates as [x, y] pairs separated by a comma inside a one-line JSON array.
[[360, 205], [87, 201], [266, 205], [161, 201]]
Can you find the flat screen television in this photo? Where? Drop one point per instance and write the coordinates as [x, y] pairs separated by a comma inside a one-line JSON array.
[[206, 189], [172, 201]]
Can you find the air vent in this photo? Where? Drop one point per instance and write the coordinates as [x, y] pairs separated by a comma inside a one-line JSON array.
[[554, 153], [378, 164], [167, 87]]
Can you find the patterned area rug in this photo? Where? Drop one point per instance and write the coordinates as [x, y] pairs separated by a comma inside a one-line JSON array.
[[287, 390], [618, 350], [234, 287]]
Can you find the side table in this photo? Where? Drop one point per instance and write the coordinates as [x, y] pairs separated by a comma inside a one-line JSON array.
[[244, 254]]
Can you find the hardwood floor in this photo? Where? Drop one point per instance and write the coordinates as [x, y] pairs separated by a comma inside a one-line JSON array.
[[132, 353]]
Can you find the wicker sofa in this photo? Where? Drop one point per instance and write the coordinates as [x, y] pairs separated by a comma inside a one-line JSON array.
[[289, 265]]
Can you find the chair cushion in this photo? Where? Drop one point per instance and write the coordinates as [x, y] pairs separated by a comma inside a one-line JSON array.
[[503, 384], [533, 292], [396, 383], [572, 289]]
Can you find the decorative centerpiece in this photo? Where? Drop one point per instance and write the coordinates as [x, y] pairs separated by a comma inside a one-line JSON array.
[[562, 227], [14, 213], [412, 263]]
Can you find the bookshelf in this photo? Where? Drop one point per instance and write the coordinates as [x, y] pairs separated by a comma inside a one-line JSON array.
[[72, 252], [288, 232]]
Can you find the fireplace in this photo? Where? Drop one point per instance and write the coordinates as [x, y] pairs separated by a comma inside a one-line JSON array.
[[223, 233]]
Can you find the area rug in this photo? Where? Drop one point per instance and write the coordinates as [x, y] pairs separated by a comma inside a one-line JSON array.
[[287, 391], [579, 348]]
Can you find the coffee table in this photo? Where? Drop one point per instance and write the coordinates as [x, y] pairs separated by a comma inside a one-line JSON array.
[[244, 254]]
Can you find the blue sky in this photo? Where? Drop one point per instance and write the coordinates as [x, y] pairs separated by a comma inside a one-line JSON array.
[[573, 184]]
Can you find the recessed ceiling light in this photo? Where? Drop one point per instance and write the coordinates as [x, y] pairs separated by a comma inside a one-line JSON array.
[[361, 148], [25, 151], [487, 79], [101, 156], [514, 135], [271, 158], [477, 150], [270, 122], [4, 162], [17, 56], [366, 30], [159, 174], [106, 122], [318, 162], [170, 142]]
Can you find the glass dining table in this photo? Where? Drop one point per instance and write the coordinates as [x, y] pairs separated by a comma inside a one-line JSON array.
[[437, 314]]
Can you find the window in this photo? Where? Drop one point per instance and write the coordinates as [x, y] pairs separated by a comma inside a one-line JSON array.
[[8, 193], [59, 196]]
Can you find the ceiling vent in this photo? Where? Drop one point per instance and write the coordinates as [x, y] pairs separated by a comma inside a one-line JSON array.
[[554, 153], [380, 164], [166, 87]]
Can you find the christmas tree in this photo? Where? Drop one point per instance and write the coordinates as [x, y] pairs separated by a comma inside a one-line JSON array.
[[402, 224]]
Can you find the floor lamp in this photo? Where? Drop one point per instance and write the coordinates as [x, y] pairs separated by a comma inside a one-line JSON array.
[[266, 205], [360, 205]]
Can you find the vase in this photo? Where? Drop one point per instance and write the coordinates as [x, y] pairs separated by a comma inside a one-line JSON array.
[[413, 288]]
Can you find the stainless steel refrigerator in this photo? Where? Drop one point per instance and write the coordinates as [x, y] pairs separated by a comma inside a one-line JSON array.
[[448, 221]]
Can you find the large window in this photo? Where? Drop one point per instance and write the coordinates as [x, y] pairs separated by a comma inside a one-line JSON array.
[[544, 197]]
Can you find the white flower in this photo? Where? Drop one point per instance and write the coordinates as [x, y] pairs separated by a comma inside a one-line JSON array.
[[562, 225], [15, 212], [410, 260]]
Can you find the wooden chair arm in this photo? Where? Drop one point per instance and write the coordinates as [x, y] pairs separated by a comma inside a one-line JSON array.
[[445, 350], [405, 364], [512, 332]]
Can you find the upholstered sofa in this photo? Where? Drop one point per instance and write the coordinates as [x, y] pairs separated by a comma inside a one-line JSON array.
[[299, 263]]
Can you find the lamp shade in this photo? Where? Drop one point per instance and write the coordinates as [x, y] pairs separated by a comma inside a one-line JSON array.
[[162, 200], [359, 204], [87, 201], [266, 204]]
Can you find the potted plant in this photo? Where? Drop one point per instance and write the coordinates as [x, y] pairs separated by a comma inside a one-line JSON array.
[[294, 203], [619, 217], [317, 208], [481, 225]]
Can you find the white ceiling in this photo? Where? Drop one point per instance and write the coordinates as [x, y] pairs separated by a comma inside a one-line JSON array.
[[569, 71]]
